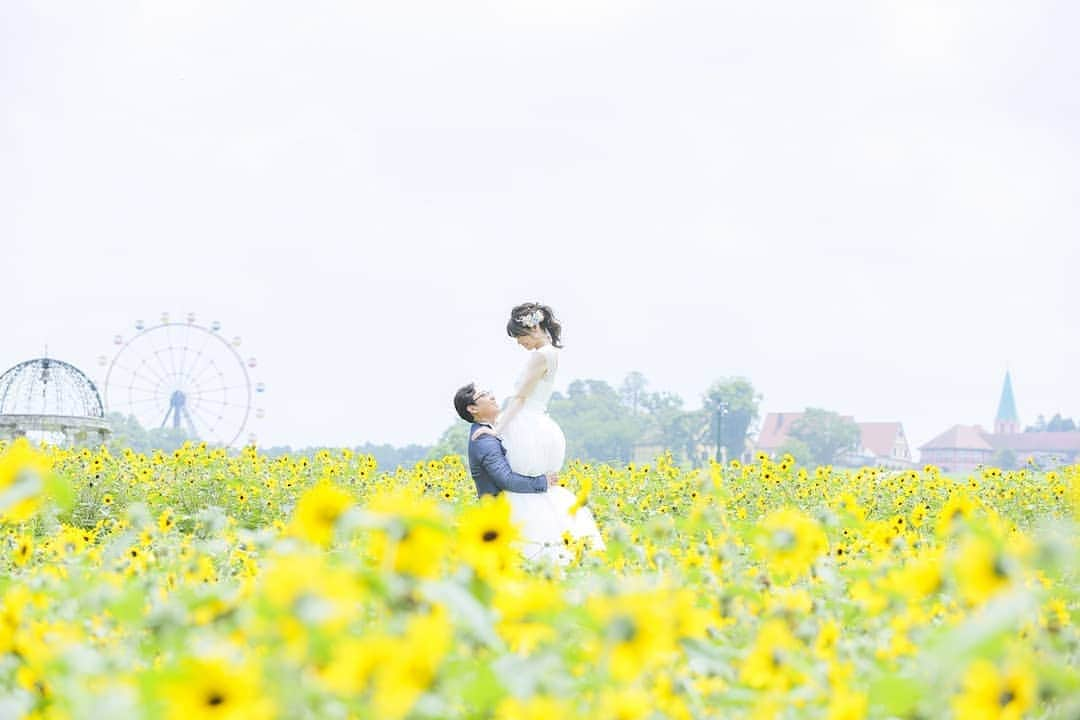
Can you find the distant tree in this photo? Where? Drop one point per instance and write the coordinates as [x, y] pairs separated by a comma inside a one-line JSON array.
[[387, 457], [598, 425], [632, 392], [826, 434], [700, 435], [1059, 424], [743, 403], [798, 450], [453, 441], [672, 426], [390, 457], [1039, 426], [1056, 424], [655, 402], [1004, 459], [127, 432]]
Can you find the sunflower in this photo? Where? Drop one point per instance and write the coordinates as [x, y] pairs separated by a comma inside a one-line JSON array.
[[165, 520], [413, 540], [24, 549], [983, 570], [990, 694], [413, 665], [958, 508], [211, 689], [317, 512], [22, 474], [847, 704], [639, 628], [769, 664], [487, 536], [790, 541]]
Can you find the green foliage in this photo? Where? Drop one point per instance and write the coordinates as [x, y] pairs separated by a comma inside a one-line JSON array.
[[666, 423], [391, 457], [1060, 424], [798, 450], [742, 403], [826, 434], [633, 392], [128, 433], [598, 425], [1056, 424], [453, 441]]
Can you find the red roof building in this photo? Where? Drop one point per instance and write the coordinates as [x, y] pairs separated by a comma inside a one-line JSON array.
[[963, 448], [880, 443], [885, 440]]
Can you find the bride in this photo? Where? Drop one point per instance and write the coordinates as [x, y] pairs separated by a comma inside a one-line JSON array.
[[535, 445]]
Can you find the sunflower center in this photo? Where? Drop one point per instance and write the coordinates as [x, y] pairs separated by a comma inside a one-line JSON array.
[[214, 699], [328, 515], [624, 629], [784, 539], [1006, 697], [489, 535]]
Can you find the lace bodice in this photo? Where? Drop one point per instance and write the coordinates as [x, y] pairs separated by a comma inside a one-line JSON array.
[[541, 394]]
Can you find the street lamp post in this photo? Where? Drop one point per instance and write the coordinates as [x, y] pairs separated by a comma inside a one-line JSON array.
[[721, 449]]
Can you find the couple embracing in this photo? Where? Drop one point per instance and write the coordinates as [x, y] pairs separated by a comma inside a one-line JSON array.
[[519, 449]]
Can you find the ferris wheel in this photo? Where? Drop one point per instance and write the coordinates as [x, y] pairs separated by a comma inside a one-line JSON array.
[[183, 375]]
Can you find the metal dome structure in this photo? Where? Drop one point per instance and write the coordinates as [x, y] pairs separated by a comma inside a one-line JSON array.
[[49, 396]]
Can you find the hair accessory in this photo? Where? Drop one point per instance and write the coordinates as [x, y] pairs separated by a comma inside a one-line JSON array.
[[530, 320]]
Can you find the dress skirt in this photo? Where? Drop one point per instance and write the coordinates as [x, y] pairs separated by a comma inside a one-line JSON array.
[[535, 445]]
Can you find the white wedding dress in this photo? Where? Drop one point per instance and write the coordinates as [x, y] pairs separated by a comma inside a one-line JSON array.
[[535, 445]]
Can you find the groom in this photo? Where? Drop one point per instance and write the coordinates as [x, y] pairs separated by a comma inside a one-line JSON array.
[[487, 456]]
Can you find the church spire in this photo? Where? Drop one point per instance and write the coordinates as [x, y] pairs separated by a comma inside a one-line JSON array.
[[1007, 421]]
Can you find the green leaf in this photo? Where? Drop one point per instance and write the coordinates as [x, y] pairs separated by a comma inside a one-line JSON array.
[[59, 489], [128, 605], [895, 695], [482, 689]]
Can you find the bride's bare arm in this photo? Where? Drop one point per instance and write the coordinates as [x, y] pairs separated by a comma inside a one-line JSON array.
[[534, 372]]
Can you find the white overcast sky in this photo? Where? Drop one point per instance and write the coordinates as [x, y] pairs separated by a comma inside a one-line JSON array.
[[872, 207]]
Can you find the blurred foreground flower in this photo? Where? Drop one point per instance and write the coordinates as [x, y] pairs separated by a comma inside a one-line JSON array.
[[212, 688], [790, 542], [23, 471], [991, 695], [317, 513]]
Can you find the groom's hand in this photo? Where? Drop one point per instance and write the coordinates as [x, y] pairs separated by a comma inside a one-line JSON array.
[[553, 479], [482, 431]]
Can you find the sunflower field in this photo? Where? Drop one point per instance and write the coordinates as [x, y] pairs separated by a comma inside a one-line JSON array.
[[206, 584]]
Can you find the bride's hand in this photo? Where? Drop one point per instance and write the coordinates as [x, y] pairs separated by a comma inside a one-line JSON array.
[[482, 431]]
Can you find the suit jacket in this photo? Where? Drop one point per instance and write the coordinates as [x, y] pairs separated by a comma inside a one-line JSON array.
[[490, 470]]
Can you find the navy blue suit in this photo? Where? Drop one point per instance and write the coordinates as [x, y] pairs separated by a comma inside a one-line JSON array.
[[490, 470]]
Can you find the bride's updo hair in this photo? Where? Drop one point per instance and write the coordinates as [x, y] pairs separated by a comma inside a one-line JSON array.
[[524, 317]]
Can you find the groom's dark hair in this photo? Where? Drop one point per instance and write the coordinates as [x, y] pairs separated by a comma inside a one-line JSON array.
[[463, 398]]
